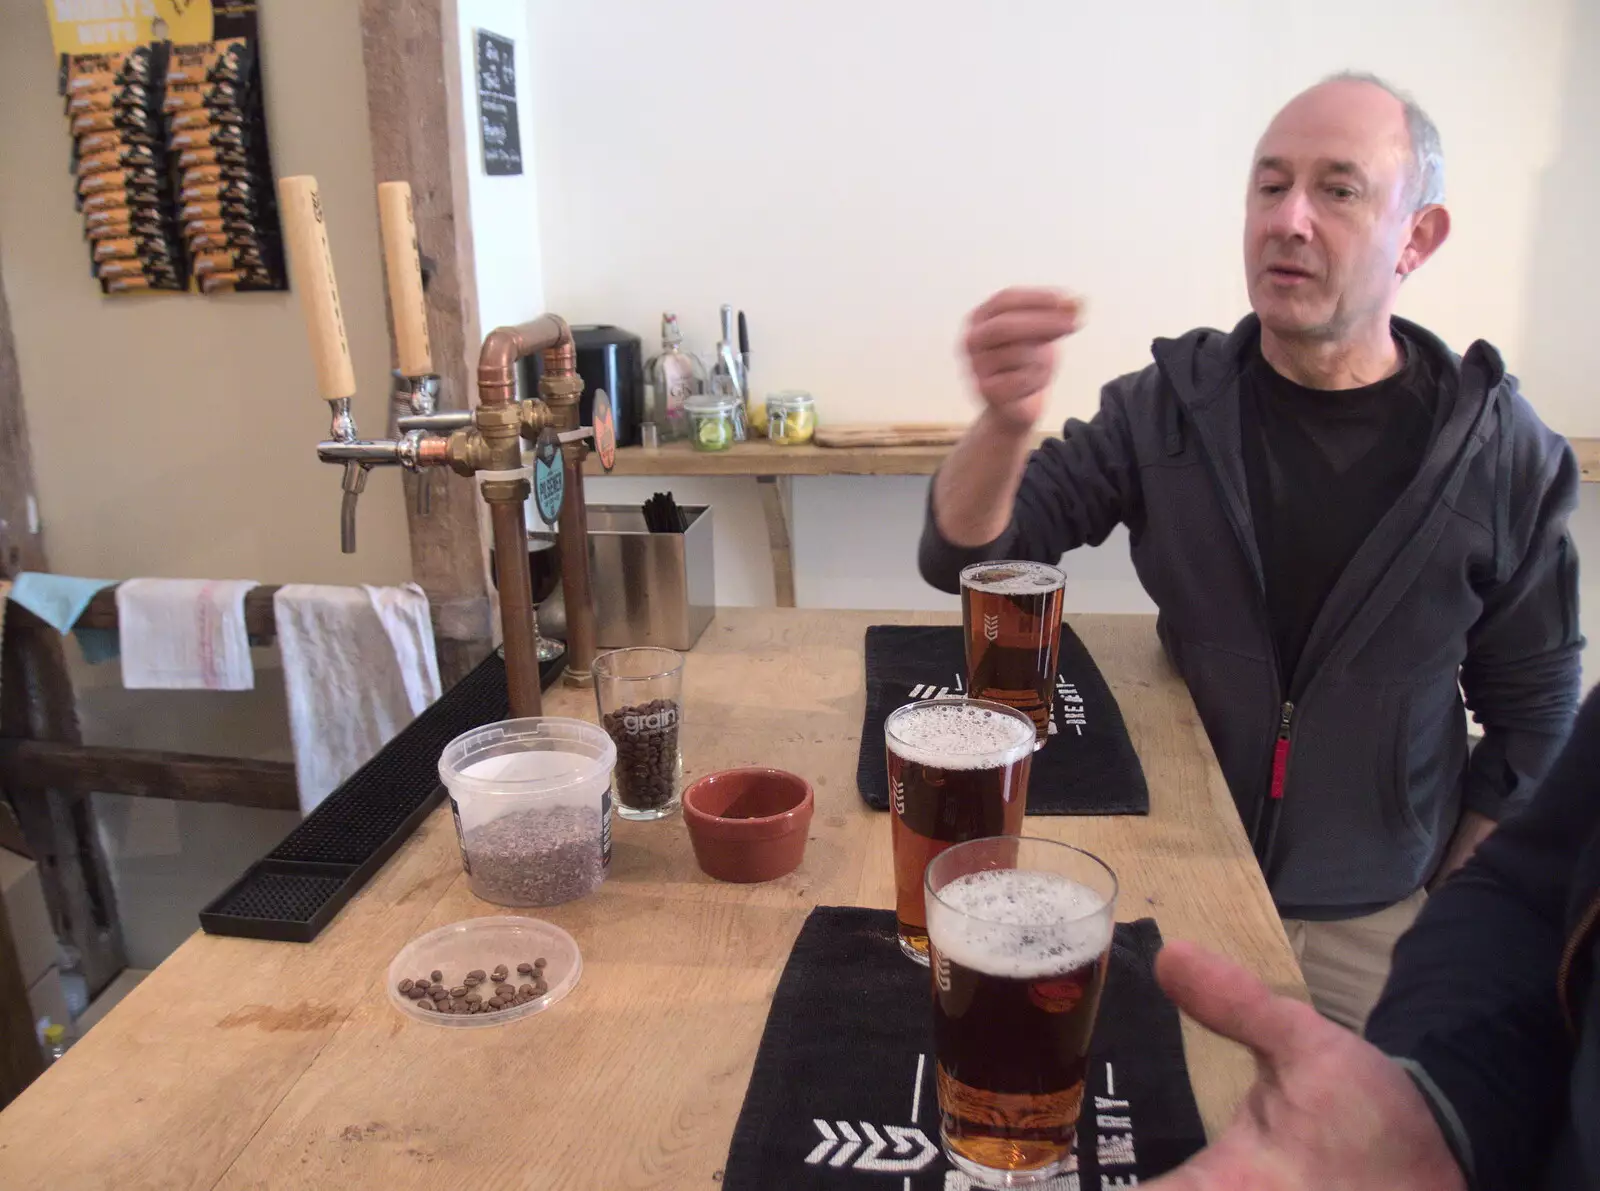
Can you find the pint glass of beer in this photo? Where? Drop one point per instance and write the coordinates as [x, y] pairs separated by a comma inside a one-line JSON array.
[[958, 769], [1020, 932], [1011, 612]]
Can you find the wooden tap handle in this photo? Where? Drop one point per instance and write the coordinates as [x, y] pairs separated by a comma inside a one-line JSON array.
[[311, 265], [402, 261]]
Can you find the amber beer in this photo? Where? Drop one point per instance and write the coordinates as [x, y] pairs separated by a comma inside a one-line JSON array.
[[958, 770], [1011, 612], [1021, 933]]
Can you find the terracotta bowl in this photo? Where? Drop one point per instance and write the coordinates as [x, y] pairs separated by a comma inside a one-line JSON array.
[[748, 824]]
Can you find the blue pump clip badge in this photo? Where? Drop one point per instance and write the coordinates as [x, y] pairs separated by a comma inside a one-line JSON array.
[[549, 477]]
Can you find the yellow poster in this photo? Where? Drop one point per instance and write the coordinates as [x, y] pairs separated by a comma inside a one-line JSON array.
[[105, 26]]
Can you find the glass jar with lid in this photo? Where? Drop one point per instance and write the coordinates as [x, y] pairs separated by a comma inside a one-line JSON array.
[[711, 421], [791, 417]]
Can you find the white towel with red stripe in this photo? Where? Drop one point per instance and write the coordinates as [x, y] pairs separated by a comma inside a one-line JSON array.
[[184, 634]]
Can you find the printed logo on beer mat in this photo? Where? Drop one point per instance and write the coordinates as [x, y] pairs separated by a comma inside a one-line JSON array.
[[844, 1096], [1087, 765]]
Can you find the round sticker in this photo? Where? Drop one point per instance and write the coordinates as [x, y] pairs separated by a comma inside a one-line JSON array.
[[549, 475], [605, 430]]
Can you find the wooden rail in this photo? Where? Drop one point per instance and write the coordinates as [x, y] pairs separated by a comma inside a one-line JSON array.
[[79, 770]]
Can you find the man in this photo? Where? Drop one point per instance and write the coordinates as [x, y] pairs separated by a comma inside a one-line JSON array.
[[1343, 524], [1493, 1013]]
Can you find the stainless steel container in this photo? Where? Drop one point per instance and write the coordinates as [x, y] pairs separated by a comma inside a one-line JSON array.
[[650, 588]]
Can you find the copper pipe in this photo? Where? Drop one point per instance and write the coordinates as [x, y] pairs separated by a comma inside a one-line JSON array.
[[560, 388], [516, 608], [504, 346], [573, 527], [433, 452]]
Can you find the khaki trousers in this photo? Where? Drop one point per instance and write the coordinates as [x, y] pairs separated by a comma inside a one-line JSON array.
[[1346, 963]]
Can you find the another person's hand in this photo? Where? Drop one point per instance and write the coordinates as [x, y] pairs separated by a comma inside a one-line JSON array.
[[1011, 349], [1328, 1112], [1471, 831]]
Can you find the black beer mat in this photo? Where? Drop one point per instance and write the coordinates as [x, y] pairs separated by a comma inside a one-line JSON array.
[[843, 1091], [1087, 767]]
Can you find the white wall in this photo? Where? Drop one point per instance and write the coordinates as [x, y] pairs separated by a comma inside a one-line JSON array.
[[505, 208], [858, 176]]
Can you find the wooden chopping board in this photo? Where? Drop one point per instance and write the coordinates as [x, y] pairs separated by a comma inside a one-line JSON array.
[[867, 434]]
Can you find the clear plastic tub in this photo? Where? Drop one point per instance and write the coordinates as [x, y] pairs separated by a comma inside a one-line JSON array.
[[532, 804], [481, 943]]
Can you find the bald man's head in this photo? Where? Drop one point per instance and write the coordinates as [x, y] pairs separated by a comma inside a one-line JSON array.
[[1339, 210]]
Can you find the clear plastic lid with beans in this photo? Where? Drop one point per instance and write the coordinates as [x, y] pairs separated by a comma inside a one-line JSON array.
[[791, 417], [711, 425]]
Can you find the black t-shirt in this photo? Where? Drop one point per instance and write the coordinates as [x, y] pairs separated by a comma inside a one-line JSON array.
[[1323, 466]]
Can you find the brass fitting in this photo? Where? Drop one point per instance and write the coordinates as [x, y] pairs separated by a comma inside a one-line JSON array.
[[536, 416], [466, 451], [506, 491]]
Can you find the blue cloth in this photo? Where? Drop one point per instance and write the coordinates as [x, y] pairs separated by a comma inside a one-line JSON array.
[[59, 600]]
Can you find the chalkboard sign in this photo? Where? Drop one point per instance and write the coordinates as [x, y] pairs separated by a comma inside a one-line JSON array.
[[497, 104]]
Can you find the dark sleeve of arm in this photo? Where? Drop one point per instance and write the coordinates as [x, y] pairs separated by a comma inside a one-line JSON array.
[[1074, 491], [1472, 1000], [1521, 675]]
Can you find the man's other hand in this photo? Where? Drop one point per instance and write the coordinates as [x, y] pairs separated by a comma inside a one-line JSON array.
[[1010, 347], [1328, 1112]]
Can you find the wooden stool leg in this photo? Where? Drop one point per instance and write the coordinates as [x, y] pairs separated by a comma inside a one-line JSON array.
[[778, 538]]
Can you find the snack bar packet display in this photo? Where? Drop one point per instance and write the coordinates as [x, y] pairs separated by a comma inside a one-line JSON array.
[[169, 165], [225, 198]]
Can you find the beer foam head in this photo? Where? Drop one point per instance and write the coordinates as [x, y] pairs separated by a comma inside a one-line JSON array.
[[1019, 924], [1012, 578], [960, 735]]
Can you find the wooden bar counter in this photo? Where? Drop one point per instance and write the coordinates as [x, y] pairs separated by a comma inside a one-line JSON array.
[[242, 1064]]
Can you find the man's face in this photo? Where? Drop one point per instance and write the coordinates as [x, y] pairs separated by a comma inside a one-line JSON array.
[[1328, 213]]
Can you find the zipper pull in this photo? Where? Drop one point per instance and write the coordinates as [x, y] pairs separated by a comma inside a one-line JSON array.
[[1280, 753]]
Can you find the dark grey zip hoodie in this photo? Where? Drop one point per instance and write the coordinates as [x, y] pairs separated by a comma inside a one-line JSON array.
[[1469, 582]]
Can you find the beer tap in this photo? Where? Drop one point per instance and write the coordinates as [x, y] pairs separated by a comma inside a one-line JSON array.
[[417, 383], [306, 238], [485, 442]]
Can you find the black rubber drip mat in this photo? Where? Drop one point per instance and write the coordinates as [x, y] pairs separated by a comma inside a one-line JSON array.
[[296, 889]]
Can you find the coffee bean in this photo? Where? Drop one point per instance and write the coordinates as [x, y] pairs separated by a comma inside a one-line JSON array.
[[474, 999], [436, 976], [404, 986], [526, 990], [540, 963], [500, 971], [495, 1002], [473, 981], [425, 1005], [416, 994], [439, 992], [525, 969], [423, 985], [459, 990], [476, 974]]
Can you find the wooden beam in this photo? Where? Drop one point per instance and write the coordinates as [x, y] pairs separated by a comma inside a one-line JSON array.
[[458, 622], [80, 770], [36, 702], [413, 101]]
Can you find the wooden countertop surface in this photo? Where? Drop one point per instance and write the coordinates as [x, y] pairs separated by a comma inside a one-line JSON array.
[[242, 1064], [762, 458]]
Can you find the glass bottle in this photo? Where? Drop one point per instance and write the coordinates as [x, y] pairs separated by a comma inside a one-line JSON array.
[[55, 1043], [673, 377]]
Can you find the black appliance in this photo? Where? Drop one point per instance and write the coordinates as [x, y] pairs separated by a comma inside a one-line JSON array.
[[609, 358]]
